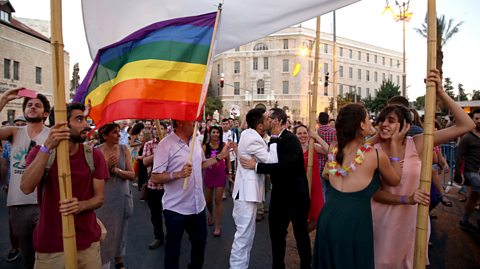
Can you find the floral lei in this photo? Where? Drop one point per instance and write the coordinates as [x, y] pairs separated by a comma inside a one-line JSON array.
[[345, 170]]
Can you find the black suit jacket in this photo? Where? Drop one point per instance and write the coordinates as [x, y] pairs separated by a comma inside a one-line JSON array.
[[289, 179]]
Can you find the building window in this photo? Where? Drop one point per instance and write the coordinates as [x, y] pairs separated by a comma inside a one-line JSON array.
[[359, 74], [383, 76], [4, 16], [350, 89], [376, 92], [285, 87], [391, 62], [260, 86], [360, 91], [16, 70], [237, 49], [375, 76], [6, 68], [325, 48], [265, 63], [398, 80], [375, 58], [398, 63], [341, 52], [236, 88], [368, 75], [310, 66], [260, 46], [255, 63], [218, 69], [368, 92], [38, 75], [236, 67], [390, 77], [285, 65], [340, 71], [341, 90], [368, 57], [285, 44], [359, 55], [350, 53], [325, 68], [350, 72], [383, 60]]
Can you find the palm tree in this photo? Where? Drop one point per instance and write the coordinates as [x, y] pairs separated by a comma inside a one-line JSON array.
[[445, 31]]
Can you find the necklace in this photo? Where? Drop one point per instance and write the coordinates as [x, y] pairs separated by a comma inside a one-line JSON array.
[[346, 170]]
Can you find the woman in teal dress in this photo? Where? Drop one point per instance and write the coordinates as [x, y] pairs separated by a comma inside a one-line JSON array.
[[344, 229]]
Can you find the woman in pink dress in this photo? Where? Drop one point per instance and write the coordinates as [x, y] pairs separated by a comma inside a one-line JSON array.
[[215, 177], [395, 208]]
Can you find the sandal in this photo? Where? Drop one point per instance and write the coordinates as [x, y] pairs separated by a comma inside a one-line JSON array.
[[217, 233], [446, 202], [119, 266]]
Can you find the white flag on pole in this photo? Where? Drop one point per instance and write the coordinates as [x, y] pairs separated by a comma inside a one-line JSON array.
[[108, 21]]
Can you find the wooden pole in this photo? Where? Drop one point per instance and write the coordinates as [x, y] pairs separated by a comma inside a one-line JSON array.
[[313, 107], [428, 136], [63, 159], [204, 88]]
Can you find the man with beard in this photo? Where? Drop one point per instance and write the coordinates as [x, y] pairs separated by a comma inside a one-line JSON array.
[[23, 209], [468, 150], [87, 191]]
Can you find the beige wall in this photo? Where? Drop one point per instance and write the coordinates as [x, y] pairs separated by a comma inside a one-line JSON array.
[[30, 52]]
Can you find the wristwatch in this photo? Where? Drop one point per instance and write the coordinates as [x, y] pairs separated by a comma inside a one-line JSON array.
[[216, 158]]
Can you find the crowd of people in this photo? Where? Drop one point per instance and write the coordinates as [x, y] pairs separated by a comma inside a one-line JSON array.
[[361, 201]]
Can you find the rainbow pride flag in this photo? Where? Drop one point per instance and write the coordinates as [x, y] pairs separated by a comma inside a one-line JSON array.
[[156, 72]]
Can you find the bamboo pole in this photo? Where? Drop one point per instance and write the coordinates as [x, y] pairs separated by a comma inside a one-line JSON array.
[[313, 107], [204, 88], [63, 160], [428, 136]]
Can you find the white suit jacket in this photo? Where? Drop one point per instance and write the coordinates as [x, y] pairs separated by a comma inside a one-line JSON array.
[[249, 185]]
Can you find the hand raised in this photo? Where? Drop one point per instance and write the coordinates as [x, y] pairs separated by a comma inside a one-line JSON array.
[[58, 132], [70, 206]]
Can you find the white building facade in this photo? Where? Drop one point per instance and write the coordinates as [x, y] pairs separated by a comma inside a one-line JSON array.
[[276, 71]]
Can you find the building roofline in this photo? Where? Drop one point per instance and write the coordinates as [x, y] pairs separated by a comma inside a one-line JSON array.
[[19, 26]]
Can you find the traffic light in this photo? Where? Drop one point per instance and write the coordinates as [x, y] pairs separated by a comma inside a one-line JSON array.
[[326, 79], [222, 82]]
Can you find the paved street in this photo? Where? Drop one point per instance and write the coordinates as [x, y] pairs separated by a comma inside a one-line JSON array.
[[452, 248]]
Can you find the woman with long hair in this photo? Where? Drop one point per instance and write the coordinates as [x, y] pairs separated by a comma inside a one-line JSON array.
[[395, 208], [215, 177], [344, 229], [118, 204], [316, 193]]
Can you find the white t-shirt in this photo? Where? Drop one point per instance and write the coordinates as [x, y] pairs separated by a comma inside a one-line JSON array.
[[22, 143]]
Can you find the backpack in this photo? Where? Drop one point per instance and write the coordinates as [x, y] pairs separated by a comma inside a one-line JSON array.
[[87, 153]]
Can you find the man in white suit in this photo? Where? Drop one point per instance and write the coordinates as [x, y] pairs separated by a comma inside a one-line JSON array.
[[249, 188]]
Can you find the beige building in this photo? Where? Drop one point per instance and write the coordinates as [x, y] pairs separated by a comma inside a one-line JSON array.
[[276, 70], [25, 60]]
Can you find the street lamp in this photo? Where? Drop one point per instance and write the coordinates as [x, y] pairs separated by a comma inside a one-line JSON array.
[[404, 15]]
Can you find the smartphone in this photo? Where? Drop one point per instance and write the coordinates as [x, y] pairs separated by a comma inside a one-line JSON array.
[[27, 93]]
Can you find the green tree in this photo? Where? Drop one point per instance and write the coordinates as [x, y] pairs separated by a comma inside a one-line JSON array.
[[387, 90], [476, 95], [419, 103], [445, 31], [448, 87], [212, 104], [462, 96]]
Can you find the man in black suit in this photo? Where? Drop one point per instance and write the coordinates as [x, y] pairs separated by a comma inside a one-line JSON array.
[[290, 200]]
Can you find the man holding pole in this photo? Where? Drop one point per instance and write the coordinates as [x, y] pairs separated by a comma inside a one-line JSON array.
[[88, 172], [23, 209], [183, 209]]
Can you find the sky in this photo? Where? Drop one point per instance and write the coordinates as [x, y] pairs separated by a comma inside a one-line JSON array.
[[362, 21]]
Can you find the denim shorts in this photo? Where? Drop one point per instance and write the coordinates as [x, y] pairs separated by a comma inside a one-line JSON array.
[[473, 179]]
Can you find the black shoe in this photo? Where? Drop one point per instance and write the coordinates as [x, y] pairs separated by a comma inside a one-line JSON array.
[[13, 255], [467, 226], [155, 244]]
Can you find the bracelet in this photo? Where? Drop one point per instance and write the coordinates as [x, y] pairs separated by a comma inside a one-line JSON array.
[[394, 159], [403, 199], [44, 149], [171, 176], [216, 158]]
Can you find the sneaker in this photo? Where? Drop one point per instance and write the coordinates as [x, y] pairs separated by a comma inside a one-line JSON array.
[[13, 255], [155, 244], [467, 226]]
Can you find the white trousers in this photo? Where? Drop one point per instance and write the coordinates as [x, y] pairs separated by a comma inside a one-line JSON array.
[[244, 215]]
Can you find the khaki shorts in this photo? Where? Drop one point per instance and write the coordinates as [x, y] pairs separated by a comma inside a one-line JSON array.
[[87, 259]]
